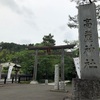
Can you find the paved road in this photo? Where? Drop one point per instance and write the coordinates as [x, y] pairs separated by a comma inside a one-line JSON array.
[[29, 92]]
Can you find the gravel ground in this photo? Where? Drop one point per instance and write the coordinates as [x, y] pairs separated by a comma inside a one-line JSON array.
[[31, 92]]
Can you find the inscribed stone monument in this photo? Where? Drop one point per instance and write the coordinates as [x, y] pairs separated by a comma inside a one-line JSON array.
[[88, 87], [88, 38]]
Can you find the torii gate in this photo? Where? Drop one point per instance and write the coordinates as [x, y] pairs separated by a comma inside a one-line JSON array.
[[48, 48]]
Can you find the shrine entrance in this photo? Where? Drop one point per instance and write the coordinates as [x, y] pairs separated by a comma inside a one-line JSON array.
[[48, 49]]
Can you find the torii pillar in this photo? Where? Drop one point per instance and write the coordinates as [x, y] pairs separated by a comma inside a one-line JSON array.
[[35, 69]]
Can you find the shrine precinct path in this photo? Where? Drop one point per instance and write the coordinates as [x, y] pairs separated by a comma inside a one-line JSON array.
[[29, 92]]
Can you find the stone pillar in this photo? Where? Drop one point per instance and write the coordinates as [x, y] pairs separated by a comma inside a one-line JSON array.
[[35, 66], [46, 82], [56, 78], [88, 87], [35, 69], [88, 39], [62, 84]]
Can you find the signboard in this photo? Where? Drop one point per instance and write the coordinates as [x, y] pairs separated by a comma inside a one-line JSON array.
[[77, 66], [9, 72]]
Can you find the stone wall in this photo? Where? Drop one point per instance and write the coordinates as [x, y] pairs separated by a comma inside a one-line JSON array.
[[84, 89]]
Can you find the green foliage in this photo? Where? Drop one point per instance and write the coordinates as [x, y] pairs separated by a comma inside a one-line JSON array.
[[26, 59], [4, 55], [5, 70], [84, 1], [46, 63], [12, 46], [69, 68], [73, 20], [48, 40], [46, 66]]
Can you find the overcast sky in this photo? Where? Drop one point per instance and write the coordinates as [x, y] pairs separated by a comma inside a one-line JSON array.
[[27, 21]]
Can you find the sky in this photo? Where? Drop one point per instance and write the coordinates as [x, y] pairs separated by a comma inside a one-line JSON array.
[[27, 21]]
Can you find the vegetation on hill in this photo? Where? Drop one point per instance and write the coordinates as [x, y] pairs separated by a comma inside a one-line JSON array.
[[16, 53]]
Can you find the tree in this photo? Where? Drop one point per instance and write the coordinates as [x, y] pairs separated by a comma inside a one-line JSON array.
[[48, 40], [69, 68], [4, 56], [25, 59], [73, 22], [46, 67], [12, 47]]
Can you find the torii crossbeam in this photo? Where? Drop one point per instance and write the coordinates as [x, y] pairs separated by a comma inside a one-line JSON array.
[[51, 47]]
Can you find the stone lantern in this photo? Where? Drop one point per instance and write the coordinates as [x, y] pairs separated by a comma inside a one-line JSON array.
[[17, 67]]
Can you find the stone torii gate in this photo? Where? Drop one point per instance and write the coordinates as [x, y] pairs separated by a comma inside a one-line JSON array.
[[48, 48]]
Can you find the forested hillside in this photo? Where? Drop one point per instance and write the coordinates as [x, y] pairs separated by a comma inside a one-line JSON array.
[[19, 54], [12, 46]]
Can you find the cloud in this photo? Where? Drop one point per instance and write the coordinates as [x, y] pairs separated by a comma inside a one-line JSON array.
[[12, 5], [25, 12], [25, 41], [63, 28]]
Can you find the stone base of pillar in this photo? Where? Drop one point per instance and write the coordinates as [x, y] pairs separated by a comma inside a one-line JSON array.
[[61, 85], [9, 79], [56, 87], [46, 82], [33, 82], [85, 89]]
